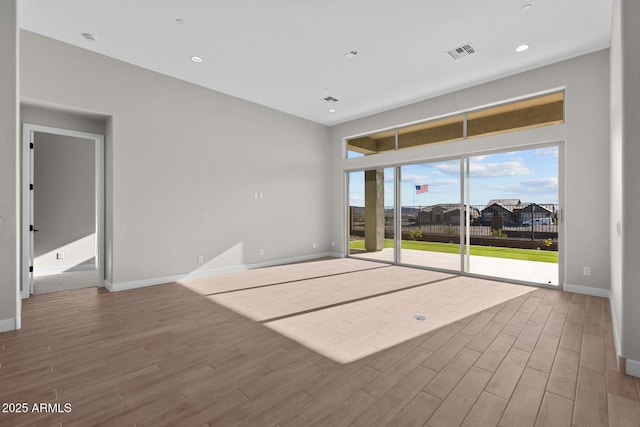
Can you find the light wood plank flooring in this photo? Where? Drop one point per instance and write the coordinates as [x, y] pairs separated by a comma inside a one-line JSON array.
[[172, 355]]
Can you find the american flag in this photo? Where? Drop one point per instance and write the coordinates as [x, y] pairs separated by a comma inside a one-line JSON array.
[[422, 188]]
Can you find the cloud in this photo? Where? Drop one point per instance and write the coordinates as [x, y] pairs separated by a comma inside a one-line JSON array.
[[442, 182], [488, 170], [547, 151], [493, 170], [424, 179], [534, 186], [442, 191], [448, 168], [541, 184], [415, 179]]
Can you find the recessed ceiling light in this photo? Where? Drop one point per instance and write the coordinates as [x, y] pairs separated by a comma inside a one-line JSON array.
[[332, 110], [89, 37], [179, 21], [522, 48], [351, 54], [196, 59], [526, 6]]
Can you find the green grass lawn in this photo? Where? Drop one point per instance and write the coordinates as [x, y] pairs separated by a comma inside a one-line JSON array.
[[453, 248]]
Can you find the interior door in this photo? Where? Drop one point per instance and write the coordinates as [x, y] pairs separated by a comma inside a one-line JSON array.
[[32, 226], [28, 226]]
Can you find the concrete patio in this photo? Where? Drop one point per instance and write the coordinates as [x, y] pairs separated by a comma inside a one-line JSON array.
[[526, 271]]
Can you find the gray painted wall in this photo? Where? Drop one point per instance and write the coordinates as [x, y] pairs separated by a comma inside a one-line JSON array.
[[64, 201], [625, 148], [9, 155], [183, 164], [63, 119], [586, 132]]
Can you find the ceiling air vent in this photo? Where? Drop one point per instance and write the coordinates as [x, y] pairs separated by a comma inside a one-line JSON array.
[[462, 51], [330, 99]]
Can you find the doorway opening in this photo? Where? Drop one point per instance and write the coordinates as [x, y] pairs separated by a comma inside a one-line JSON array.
[[63, 227]]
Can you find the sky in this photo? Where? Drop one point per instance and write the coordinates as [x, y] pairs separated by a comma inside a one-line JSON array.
[[528, 175]]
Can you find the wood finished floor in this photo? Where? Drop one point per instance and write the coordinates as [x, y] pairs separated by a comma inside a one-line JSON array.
[[166, 355]]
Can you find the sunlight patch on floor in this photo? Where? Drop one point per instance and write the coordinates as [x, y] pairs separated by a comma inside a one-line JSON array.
[[349, 332], [346, 314]]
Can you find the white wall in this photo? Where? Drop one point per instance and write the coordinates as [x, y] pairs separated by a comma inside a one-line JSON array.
[[586, 132], [616, 173], [9, 195], [64, 202], [183, 163], [625, 148]]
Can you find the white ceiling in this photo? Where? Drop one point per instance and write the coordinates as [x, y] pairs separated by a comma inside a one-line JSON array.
[[289, 54]]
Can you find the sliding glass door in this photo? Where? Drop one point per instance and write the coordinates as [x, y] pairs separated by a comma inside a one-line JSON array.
[[430, 215], [372, 214], [513, 198], [493, 215]]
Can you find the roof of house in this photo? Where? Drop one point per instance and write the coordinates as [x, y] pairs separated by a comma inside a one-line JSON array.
[[446, 207], [523, 206], [504, 202]]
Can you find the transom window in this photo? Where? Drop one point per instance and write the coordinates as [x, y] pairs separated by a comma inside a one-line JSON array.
[[533, 112]]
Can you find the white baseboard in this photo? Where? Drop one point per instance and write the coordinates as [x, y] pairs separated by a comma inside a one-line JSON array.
[[7, 325], [586, 290], [632, 367], [62, 269], [614, 326], [107, 284], [288, 260], [135, 284]]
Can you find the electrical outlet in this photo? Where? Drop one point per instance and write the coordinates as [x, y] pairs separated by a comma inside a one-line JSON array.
[[200, 259], [261, 251], [586, 271], [315, 245], [333, 244], [59, 255]]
